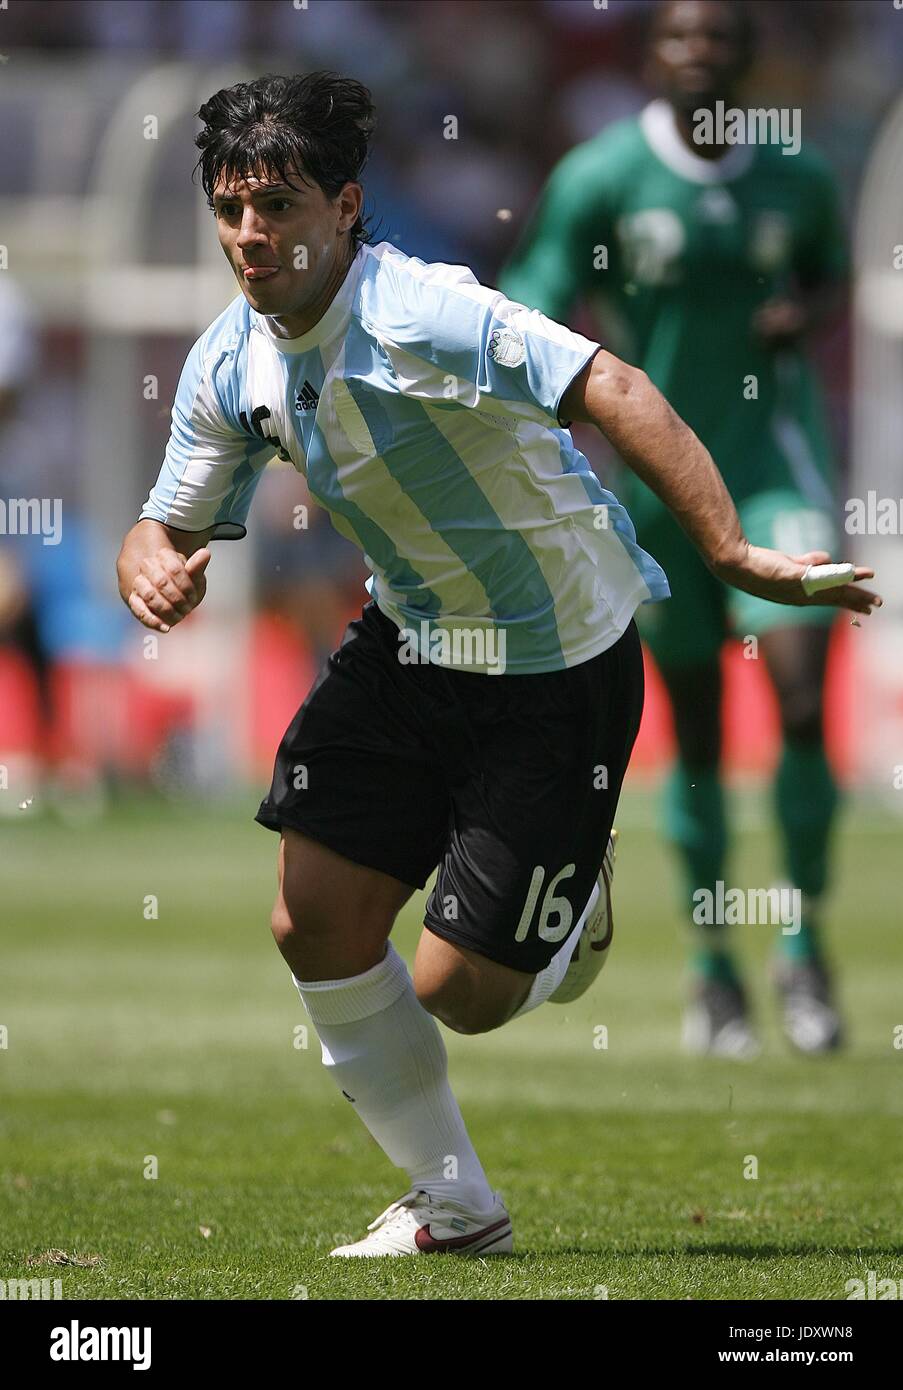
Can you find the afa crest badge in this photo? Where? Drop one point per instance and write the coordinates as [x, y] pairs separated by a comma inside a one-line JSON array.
[[506, 347]]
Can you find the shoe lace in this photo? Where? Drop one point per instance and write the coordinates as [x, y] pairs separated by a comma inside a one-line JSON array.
[[410, 1199]]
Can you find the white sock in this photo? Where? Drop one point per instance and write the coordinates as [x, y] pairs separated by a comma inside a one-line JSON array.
[[386, 1053], [547, 981]]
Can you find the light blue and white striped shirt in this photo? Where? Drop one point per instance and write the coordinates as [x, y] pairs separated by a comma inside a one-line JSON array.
[[423, 411]]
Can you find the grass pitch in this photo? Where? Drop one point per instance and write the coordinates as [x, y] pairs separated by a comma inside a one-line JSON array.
[[138, 1045]]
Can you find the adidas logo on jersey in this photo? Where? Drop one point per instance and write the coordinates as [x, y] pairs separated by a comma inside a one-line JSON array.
[[307, 398]]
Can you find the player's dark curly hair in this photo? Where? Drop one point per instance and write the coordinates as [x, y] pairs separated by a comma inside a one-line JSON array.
[[321, 123]]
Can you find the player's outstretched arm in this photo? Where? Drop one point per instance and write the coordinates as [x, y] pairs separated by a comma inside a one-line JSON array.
[[161, 573], [653, 440]]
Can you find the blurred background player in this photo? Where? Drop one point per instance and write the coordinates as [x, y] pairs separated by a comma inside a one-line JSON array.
[[720, 258]]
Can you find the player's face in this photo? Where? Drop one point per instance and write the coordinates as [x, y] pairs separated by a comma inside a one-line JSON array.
[[284, 243], [697, 52]]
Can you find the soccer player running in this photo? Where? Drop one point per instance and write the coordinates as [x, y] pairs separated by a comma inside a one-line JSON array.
[[720, 258], [478, 717]]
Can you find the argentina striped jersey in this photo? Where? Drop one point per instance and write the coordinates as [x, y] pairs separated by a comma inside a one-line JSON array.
[[422, 409]]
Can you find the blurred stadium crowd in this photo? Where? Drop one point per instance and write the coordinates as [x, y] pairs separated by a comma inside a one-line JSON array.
[[526, 80]]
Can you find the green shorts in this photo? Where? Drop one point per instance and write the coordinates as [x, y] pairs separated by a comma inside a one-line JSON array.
[[689, 628]]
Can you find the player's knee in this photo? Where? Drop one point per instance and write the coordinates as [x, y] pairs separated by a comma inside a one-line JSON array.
[[298, 919], [801, 714], [281, 923]]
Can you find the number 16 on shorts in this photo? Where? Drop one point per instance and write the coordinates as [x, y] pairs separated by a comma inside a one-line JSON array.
[[551, 907]]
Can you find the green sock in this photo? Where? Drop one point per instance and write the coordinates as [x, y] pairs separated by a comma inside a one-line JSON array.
[[804, 944], [713, 961], [695, 824], [806, 798]]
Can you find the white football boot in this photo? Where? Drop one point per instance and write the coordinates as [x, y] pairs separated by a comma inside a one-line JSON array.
[[810, 1018], [716, 1023], [591, 950], [421, 1224]]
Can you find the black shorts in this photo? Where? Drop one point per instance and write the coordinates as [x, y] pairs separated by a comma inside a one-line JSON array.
[[508, 783]]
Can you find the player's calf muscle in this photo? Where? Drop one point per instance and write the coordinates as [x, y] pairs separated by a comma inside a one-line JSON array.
[[466, 991]]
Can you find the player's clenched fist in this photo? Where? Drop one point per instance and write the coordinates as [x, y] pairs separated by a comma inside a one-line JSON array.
[[167, 587]]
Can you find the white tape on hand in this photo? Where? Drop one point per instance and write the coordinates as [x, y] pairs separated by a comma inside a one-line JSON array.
[[818, 577]]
